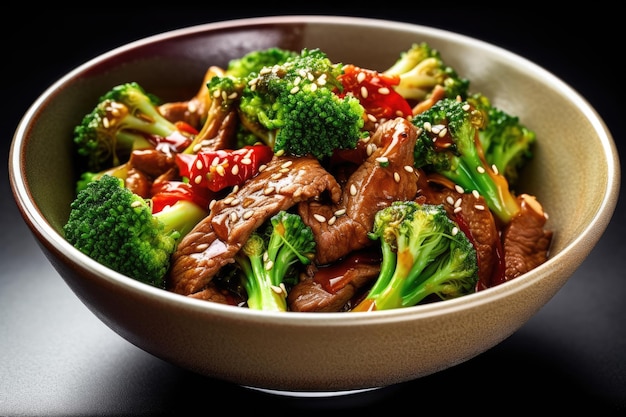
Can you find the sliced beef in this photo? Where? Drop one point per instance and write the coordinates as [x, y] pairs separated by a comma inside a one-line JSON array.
[[214, 242], [385, 176], [333, 288], [525, 240]]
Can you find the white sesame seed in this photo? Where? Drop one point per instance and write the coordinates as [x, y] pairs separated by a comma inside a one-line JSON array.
[[408, 168], [494, 168], [455, 230], [268, 190], [233, 217], [197, 179], [340, 212], [246, 161], [427, 126], [248, 214], [136, 204], [268, 266], [319, 218], [286, 164], [458, 202], [383, 91], [364, 92], [459, 189], [371, 117], [479, 207], [382, 160], [332, 220], [294, 90], [234, 170], [220, 170], [212, 203], [235, 201], [457, 209], [396, 177], [450, 200], [361, 77], [480, 170], [353, 189], [228, 200], [475, 193]]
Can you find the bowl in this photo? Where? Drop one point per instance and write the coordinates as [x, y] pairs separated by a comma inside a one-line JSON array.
[[319, 352]]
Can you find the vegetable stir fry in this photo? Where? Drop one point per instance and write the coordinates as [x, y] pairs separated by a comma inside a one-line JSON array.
[[290, 182]]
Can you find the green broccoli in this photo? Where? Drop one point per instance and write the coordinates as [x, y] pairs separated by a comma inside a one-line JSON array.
[[125, 118], [294, 107], [424, 253], [421, 69], [448, 144], [507, 144], [116, 227], [255, 61], [270, 257]]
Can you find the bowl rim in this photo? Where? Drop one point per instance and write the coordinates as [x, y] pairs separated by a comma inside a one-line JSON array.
[[54, 241]]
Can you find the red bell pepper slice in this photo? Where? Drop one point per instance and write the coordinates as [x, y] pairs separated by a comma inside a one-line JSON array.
[[375, 92], [166, 193], [223, 168]]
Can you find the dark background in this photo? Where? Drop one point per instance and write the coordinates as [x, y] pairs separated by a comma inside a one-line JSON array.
[[56, 358]]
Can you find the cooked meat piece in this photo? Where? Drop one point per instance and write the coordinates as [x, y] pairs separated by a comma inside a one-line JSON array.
[[476, 220], [212, 293], [526, 243], [332, 288], [138, 182], [218, 132], [151, 161], [385, 176], [214, 242]]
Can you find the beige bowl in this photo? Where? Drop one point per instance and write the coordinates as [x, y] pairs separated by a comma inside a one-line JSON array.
[[319, 351]]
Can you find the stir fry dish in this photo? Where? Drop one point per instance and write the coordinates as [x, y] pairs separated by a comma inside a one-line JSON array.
[[293, 183]]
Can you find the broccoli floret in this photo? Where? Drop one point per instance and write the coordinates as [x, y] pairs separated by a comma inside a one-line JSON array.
[[225, 87], [506, 142], [116, 227], [125, 118], [294, 107], [253, 62], [270, 257], [421, 69], [424, 253], [448, 144]]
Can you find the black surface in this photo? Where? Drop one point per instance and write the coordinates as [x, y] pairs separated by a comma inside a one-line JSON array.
[[57, 358]]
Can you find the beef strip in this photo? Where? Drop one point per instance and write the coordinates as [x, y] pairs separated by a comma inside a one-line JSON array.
[[526, 243], [333, 288], [214, 242], [385, 176]]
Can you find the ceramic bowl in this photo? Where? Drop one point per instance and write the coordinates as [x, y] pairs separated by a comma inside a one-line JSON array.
[[319, 352]]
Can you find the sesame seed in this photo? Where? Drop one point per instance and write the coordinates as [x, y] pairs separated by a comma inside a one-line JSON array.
[[442, 132], [466, 107], [427, 126], [371, 117], [215, 161], [319, 218], [360, 77], [233, 95], [197, 179], [457, 209], [455, 230], [494, 168], [383, 91], [228, 200], [382, 160], [294, 90], [276, 175], [396, 177], [235, 169], [479, 207], [268, 266], [135, 204], [275, 288], [450, 200], [233, 217], [235, 201], [105, 122], [475, 193], [458, 202], [480, 170], [199, 164], [235, 188], [246, 161], [287, 164], [408, 168], [364, 92], [332, 220], [269, 190], [197, 147], [220, 170], [353, 189], [248, 214], [262, 168], [313, 87], [459, 189], [340, 212], [212, 203]]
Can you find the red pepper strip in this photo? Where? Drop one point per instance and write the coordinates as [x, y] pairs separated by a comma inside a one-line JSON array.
[[223, 168], [167, 193], [380, 99]]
